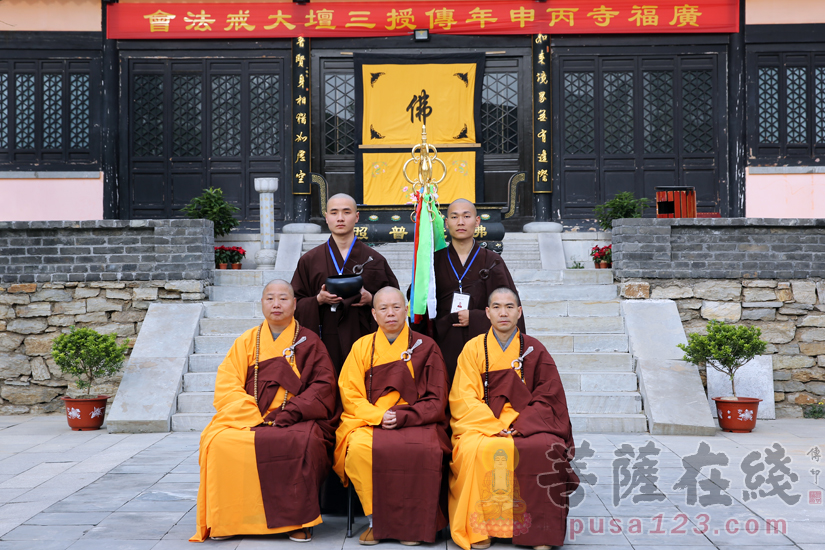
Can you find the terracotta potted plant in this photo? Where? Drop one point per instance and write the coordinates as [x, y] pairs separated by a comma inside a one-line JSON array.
[[596, 254], [607, 256], [726, 348], [221, 257], [86, 355], [236, 254]]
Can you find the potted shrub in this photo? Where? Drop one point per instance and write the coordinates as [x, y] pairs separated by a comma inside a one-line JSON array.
[[236, 254], [221, 257], [726, 348], [623, 205], [86, 355], [212, 206]]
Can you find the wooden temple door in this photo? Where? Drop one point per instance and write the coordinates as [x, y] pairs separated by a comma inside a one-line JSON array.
[[198, 123], [631, 121]]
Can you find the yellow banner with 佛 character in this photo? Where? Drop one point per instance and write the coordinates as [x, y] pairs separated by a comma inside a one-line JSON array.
[[398, 98]]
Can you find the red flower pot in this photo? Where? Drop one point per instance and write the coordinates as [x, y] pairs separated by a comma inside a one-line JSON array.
[[597, 265], [236, 266], [605, 265], [222, 266], [85, 414], [737, 416]]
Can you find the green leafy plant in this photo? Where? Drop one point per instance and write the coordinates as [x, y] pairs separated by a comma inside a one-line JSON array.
[[577, 264], [816, 410], [726, 348], [212, 206], [623, 205], [222, 255], [87, 355], [236, 254]]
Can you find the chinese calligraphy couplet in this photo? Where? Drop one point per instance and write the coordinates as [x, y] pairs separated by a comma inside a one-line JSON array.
[[394, 18]]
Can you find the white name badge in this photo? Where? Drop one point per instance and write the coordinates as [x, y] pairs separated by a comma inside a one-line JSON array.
[[461, 302]]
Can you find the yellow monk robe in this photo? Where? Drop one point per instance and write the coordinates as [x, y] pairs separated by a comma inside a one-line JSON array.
[[481, 503], [397, 473], [353, 438], [510, 486], [229, 497]]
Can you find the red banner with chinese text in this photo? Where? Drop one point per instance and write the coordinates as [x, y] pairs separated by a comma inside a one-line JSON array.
[[394, 18]]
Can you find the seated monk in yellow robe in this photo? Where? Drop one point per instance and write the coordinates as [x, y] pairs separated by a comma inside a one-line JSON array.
[[392, 443], [266, 451], [511, 428]]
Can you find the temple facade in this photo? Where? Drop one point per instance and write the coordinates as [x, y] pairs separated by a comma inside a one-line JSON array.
[[128, 110]]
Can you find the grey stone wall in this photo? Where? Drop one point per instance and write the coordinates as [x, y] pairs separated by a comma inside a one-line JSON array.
[[790, 314], [32, 315], [106, 250], [728, 248], [97, 274]]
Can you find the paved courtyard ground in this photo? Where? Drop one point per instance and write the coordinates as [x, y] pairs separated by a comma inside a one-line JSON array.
[[91, 490]]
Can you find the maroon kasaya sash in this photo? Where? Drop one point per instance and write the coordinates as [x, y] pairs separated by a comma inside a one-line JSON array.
[[272, 374], [292, 461], [388, 377], [406, 466], [506, 385]]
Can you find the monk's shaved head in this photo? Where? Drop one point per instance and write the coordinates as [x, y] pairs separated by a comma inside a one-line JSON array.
[[388, 293], [462, 205], [279, 283], [342, 196], [501, 292]]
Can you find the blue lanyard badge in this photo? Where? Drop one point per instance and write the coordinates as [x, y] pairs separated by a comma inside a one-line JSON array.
[[340, 270], [460, 279]]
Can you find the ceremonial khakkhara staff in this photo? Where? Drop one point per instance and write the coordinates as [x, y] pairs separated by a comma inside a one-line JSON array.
[[429, 228]]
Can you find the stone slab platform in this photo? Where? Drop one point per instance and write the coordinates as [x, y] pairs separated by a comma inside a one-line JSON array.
[[94, 490]]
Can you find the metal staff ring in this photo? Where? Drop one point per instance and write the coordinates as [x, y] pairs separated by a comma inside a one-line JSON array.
[[443, 174], [404, 170], [516, 364]]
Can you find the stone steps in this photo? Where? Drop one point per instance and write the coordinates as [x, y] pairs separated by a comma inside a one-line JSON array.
[[575, 325], [532, 308], [568, 343], [532, 290], [576, 314], [198, 397], [537, 324], [227, 325], [583, 423], [258, 278], [602, 387], [579, 343], [595, 423], [582, 362], [596, 381], [196, 402], [521, 250]]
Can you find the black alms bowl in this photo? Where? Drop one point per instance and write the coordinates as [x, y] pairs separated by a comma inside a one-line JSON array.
[[344, 286]]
